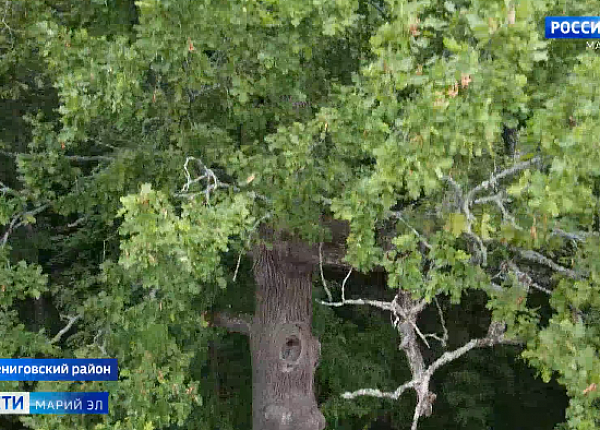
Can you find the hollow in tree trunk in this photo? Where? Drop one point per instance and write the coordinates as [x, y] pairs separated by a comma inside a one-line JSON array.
[[284, 351]]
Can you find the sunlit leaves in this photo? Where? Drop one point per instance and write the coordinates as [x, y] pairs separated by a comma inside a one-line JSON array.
[[457, 224], [18, 281], [158, 238]]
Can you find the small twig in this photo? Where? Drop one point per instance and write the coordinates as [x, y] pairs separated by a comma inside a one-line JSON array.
[[418, 331], [398, 216], [329, 296], [436, 337], [444, 339], [4, 189], [237, 267], [102, 347], [344, 285], [14, 224], [76, 222]]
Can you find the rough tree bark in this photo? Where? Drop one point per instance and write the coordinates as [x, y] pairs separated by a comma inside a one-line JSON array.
[[284, 352]]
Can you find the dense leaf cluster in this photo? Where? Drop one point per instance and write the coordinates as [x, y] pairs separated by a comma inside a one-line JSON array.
[[144, 143]]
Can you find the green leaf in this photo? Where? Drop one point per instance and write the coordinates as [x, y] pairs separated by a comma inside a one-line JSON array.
[[456, 224]]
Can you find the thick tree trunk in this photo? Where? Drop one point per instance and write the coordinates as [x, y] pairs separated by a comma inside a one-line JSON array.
[[284, 352]]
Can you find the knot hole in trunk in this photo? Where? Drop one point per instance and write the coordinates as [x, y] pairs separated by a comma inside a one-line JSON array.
[[291, 349], [291, 346]]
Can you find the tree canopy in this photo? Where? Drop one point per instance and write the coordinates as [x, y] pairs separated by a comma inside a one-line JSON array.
[[144, 145]]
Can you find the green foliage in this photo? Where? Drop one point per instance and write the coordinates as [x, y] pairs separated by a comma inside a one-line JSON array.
[[356, 109], [356, 353], [569, 345]]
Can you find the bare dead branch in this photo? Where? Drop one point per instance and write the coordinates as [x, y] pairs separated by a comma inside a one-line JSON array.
[[489, 199], [578, 237], [421, 335], [329, 296], [455, 185], [344, 285], [493, 181], [498, 199], [464, 204], [394, 395], [15, 223], [444, 339], [386, 306], [101, 347], [6, 235], [208, 174], [468, 200], [212, 184], [536, 257], [525, 279], [420, 382], [72, 320], [237, 267]]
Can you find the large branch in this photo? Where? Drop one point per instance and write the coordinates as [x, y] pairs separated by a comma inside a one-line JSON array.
[[466, 200], [493, 181], [234, 323], [406, 310], [538, 258], [464, 206], [420, 382], [332, 253]]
